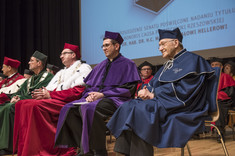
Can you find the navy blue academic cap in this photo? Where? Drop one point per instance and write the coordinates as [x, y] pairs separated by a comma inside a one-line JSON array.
[[145, 63], [215, 59], [114, 35], [174, 34]]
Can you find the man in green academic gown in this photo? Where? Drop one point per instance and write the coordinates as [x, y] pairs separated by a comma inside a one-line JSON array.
[[39, 79]]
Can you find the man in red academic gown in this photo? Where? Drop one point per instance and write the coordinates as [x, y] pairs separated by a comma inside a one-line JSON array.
[[12, 83], [36, 119], [39, 79], [146, 74]]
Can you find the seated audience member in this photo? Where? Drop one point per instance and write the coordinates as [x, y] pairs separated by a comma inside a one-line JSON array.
[[225, 93], [229, 68], [37, 131], [40, 78], [14, 80], [52, 69], [171, 108], [146, 74], [82, 122], [2, 77], [28, 73]]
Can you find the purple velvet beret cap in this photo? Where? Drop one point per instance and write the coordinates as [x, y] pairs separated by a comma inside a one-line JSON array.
[[114, 35]]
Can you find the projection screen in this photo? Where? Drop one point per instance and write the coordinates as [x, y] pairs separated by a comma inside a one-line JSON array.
[[208, 26]]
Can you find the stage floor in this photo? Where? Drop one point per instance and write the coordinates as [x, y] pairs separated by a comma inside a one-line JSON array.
[[205, 146]]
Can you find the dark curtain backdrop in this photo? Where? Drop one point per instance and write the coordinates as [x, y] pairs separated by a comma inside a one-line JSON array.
[[43, 25]]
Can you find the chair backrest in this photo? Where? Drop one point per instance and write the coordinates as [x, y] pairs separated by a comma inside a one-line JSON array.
[[212, 89]]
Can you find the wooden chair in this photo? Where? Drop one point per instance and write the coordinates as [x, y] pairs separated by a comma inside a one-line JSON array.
[[214, 110], [110, 134], [231, 114]]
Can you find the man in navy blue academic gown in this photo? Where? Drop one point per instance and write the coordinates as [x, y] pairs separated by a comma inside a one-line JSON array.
[[171, 108], [110, 84]]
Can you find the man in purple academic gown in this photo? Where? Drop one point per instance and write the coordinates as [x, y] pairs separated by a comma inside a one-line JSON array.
[[171, 108], [110, 84]]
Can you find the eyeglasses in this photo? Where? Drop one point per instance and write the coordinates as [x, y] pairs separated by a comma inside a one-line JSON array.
[[146, 69], [164, 44], [106, 45], [67, 52]]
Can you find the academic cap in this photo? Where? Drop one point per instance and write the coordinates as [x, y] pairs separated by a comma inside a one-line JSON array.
[[53, 67], [74, 48], [114, 35], [216, 59], [11, 62], [42, 57], [29, 72], [145, 63], [173, 34]]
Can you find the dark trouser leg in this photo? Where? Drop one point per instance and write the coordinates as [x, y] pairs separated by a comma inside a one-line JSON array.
[[72, 129], [130, 144], [11, 117], [104, 109], [98, 133], [123, 143], [139, 147], [224, 106]]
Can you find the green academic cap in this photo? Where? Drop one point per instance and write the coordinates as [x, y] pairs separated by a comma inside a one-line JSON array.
[[40, 56]]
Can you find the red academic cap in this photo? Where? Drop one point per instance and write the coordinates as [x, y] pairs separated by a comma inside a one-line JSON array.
[[11, 62], [74, 48]]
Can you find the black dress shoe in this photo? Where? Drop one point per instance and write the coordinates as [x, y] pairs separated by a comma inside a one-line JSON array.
[[87, 154], [195, 137], [101, 152]]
